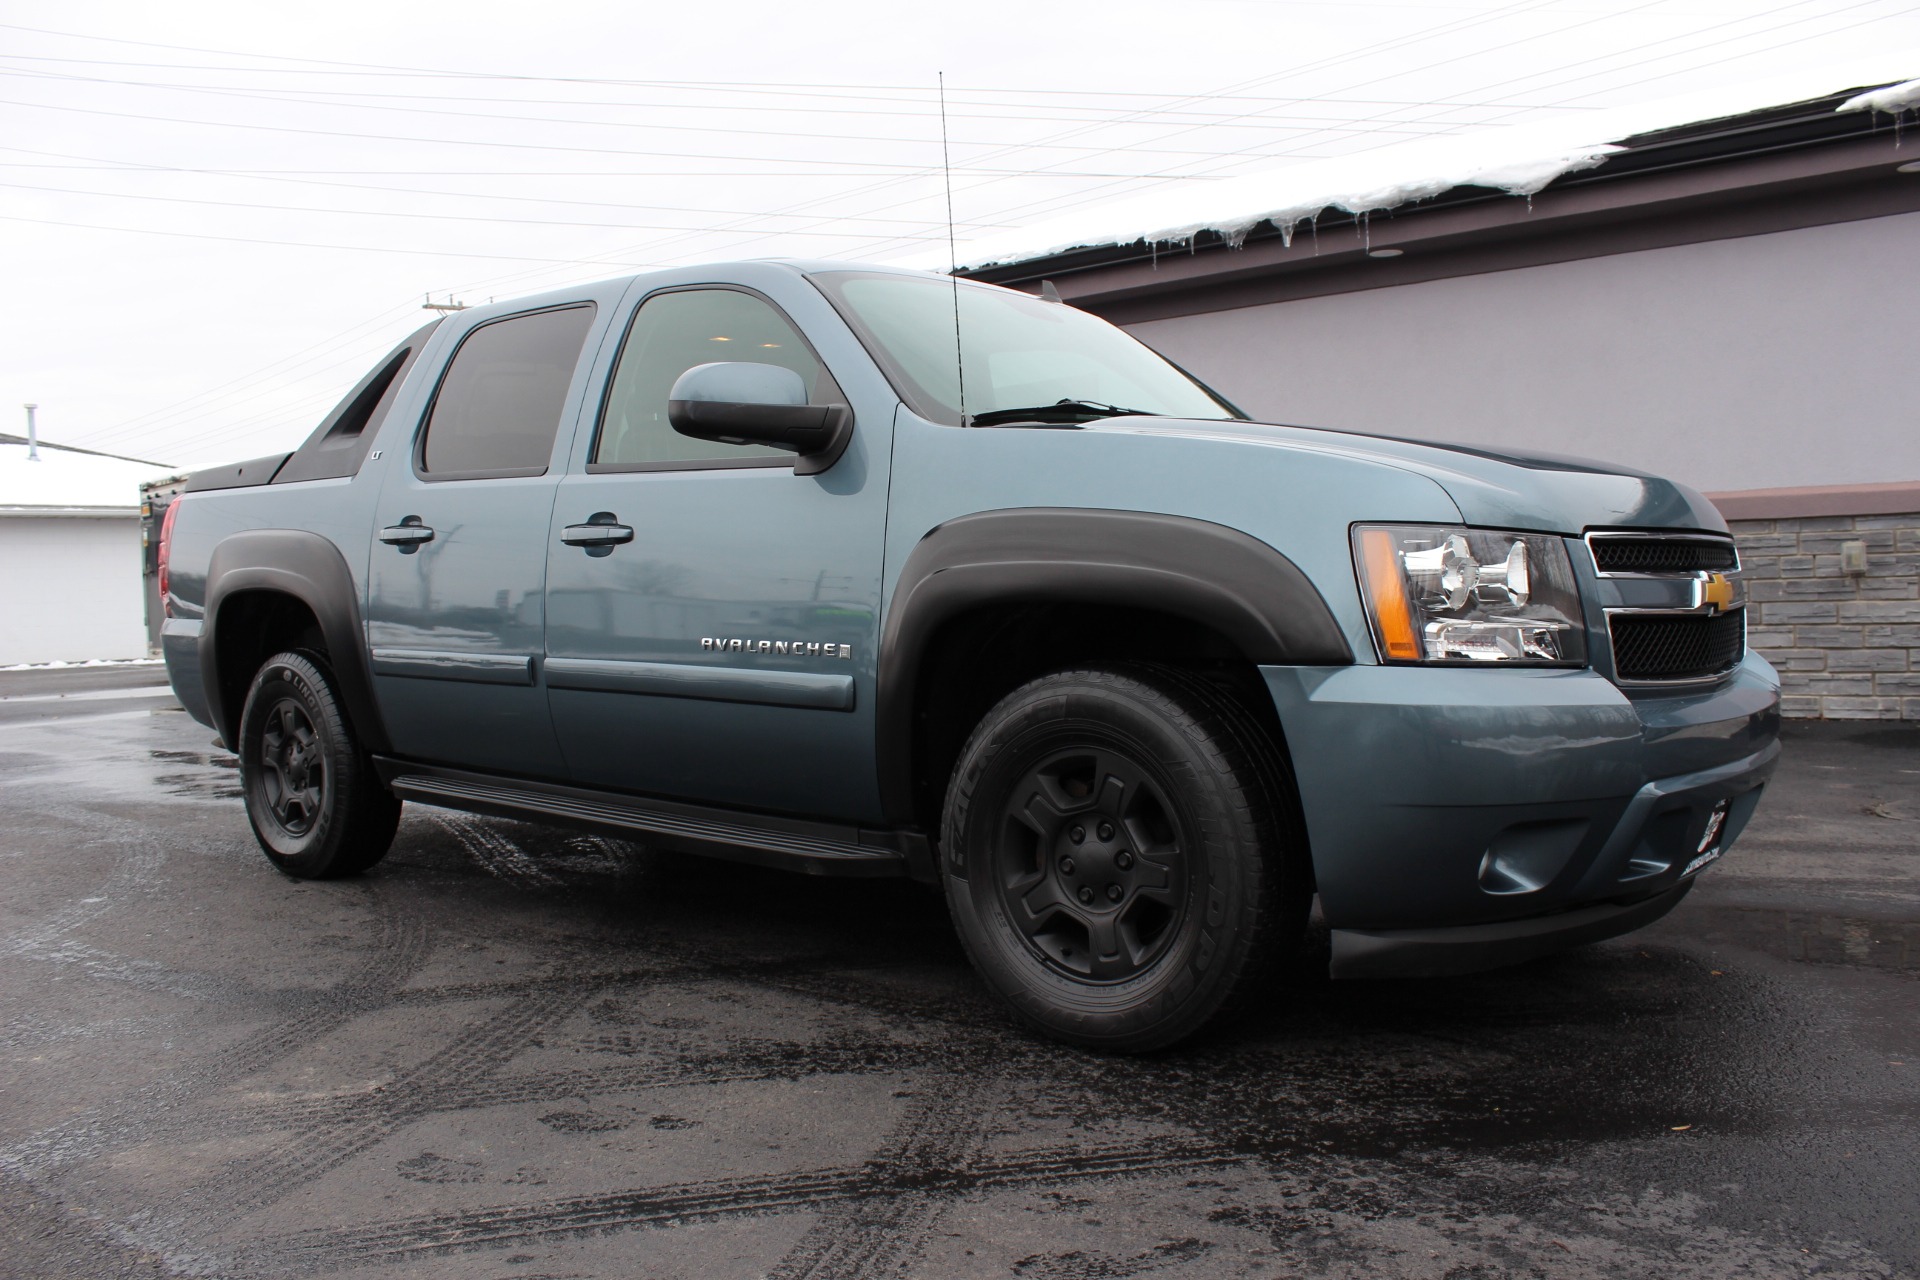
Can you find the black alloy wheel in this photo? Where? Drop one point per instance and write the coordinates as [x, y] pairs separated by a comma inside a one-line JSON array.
[[1121, 855], [296, 781], [316, 805], [1090, 867]]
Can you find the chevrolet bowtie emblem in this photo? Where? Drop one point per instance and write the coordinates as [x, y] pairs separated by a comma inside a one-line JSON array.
[[1717, 591]]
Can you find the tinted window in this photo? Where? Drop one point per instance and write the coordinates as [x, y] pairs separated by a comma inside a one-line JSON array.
[[671, 333], [1019, 352], [499, 405]]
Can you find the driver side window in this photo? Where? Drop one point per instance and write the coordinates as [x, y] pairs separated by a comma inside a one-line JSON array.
[[671, 333]]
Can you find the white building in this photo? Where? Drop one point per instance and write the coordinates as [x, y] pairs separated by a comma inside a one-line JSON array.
[[70, 554]]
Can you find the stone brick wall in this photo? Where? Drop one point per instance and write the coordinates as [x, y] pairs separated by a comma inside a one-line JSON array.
[[1847, 645]]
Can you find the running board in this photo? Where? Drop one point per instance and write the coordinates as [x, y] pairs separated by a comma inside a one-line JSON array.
[[792, 844]]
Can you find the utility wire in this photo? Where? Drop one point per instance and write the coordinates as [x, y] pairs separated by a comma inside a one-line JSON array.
[[201, 402], [750, 131], [1064, 203], [429, 217], [1030, 113], [1309, 67], [301, 244], [1312, 65], [138, 167], [463, 142]]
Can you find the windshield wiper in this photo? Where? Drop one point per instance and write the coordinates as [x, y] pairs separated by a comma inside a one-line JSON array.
[[1061, 411]]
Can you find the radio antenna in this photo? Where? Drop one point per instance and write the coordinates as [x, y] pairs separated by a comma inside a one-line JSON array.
[[953, 254]]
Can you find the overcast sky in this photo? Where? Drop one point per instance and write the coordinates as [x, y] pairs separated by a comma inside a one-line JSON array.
[[214, 217]]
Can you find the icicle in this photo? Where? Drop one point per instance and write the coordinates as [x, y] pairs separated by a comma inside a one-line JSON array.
[[1366, 233], [1314, 223], [1286, 233]]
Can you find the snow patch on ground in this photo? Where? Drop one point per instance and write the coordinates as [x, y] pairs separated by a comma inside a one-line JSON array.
[[90, 662]]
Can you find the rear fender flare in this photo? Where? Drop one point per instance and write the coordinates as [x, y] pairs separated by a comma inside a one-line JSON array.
[[1193, 569], [310, 569]]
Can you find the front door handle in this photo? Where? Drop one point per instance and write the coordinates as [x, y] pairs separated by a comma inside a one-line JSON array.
[[408, 535], [599, 535]]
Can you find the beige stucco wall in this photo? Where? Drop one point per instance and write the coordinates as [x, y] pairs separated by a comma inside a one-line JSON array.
[[1753, 363]]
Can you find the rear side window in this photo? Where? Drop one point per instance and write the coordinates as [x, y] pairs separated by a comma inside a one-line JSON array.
[[671, 333], [499, 404]]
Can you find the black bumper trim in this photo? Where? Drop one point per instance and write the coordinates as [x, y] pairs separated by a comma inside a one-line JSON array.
[[1438, 953]]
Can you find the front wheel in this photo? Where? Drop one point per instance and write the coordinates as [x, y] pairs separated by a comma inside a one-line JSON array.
[[315, 803], [1118, 856]]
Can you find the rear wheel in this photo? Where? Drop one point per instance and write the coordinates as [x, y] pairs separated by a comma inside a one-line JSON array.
[[316, 805], [1118, 856]]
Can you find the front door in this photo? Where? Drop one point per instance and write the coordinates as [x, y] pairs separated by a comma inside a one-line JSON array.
[[725, 651], [458, 563]]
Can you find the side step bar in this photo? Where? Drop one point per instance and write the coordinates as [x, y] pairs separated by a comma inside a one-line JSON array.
[[792, 844]]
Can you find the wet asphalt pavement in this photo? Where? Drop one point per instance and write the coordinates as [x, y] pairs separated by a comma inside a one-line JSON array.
[[515, 1052]]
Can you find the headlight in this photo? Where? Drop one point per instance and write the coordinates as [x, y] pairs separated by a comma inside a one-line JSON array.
[[1438, 594]]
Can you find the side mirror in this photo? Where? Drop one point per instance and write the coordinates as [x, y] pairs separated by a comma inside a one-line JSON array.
[[737, 402]]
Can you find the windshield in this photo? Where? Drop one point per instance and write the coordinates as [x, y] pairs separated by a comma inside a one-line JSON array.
[[1019, 352]]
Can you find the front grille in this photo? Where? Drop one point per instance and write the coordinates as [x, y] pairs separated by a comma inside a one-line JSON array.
[[1661, 555], [1688, 646]]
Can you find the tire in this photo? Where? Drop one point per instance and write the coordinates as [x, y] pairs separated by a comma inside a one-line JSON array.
[[316, 805], [1121, 856]]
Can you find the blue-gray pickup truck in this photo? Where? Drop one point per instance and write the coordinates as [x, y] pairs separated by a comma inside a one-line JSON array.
[[868, 572]]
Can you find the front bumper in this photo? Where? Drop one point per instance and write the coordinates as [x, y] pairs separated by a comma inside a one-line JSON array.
[[1469, 948], [1526, 810]]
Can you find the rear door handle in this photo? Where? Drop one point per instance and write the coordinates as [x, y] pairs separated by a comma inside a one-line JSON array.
[[408, 535], [602, 530]]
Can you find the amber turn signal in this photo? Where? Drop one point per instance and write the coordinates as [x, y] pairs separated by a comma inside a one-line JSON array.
[[1387, 596]]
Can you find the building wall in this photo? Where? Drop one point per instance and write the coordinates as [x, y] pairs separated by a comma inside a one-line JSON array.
[[1847, 646], [71, 588], [1755, 363]]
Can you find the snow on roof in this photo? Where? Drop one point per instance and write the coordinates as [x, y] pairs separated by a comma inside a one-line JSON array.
[[1519, 160], [66, 479]]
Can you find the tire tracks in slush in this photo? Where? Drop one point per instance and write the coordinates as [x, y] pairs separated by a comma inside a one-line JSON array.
[[922, 1182], [940, 1133], [400, 948]]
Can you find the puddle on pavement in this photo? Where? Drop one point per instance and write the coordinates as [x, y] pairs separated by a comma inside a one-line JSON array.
[[204, 775], [1814, 937]]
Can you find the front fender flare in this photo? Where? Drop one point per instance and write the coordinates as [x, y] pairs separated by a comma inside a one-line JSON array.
[[309, 568], [1193, 569]]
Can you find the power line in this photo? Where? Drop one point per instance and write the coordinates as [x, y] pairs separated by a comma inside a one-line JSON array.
[[400, 213], [788, 88], [750, 131], [1314, 65], [1333, 60], [301, 244], [322, 97], [1640, 48], [1064, 203], [472, 142], [135, 166], [916, 94], [201, 402]]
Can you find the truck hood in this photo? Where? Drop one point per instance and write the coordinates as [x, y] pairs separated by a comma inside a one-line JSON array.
[[1492, 488]]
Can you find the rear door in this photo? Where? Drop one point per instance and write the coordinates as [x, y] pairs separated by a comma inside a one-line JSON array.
[[725, 651], [458, 566]]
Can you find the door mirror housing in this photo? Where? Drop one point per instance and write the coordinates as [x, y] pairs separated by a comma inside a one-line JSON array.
[[740, 402]]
